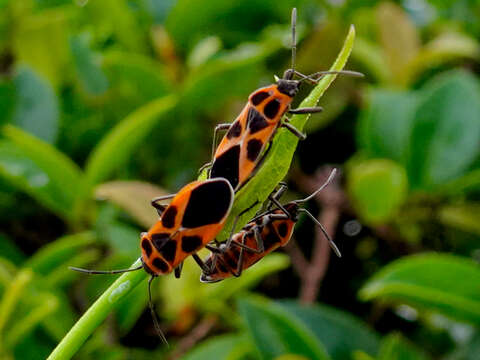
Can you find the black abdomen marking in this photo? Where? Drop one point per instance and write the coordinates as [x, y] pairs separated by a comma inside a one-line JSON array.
[[191, 243], [235, 130], [254, 146], [282, 229], [271, 109], [256, 121], [160, 264], [208, 204], [168, 217], [147, 247], [226, 166], [259, 97], [270, 239], [168, 250], [159, 240]]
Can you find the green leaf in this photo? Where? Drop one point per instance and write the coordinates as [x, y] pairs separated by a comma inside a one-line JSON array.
[[377, 189], [341, 333], [190, 21], [385, 125], [468, 351], [225, 347], [41, 41], [399, 37], [225, 289], [40, 170], [276, 164], [10, 251], [445, 49], [275, 332], [134, 197], [446, 130], [135, 78], [91, 76], [394, 347], [433, 282], [8, 98], [117, 147], [461, 216], [36, 109], [59, 252]]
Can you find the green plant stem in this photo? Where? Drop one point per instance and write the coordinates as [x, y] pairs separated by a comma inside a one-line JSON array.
[[95, 315], [259, 187]]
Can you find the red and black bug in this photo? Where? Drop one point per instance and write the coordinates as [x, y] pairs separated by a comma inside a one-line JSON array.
[[243, 147], [263, 234], [193, 218]]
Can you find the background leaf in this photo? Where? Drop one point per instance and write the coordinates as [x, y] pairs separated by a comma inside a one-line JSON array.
[[36, 109], [444, 283], [275, 332]]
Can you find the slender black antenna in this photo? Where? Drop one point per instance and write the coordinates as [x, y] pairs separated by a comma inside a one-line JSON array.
[[332, 174], [154, 314], [294, 37], [94, 272], [324, 231]]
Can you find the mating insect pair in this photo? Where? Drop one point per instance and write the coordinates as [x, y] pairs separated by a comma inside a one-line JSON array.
[[199, 210]]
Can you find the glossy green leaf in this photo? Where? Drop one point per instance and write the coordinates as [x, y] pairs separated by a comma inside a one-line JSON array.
[[36, 109], [446, 130], [341, 333], [40, 170], [377, 189], [394, 347], [443, 283], [225, 347], [8, 98], [91, 76], [385, 125], [120, 143], [275, 331]]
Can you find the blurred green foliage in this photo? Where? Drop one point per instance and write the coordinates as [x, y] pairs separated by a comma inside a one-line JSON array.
[[106, 104]]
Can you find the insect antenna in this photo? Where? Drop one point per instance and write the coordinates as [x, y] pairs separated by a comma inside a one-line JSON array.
[[154, 314], [322, 228], [324, 231], [330, 178], [294, 38], [95, 272]]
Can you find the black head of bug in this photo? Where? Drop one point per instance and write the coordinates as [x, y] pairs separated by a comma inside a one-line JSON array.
[[288, 87]]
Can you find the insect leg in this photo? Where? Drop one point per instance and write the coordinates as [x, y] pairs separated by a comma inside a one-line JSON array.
[[178, 270], [232, 232], [159, 207], [200, 263], [294, 130], [214, 144]]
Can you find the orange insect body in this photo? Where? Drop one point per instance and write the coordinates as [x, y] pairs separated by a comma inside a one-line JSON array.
[[274, 234], [194, 217], [239, 152]]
